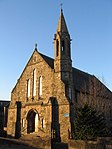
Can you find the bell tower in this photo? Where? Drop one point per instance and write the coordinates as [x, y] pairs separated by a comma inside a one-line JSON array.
[[63, 67], [62, 51]]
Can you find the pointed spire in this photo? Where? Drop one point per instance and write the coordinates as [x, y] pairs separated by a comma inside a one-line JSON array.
[[62, 27]]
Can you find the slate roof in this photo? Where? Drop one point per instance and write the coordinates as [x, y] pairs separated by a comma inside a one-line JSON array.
[[49, 60], [83, 81], [80, 78]]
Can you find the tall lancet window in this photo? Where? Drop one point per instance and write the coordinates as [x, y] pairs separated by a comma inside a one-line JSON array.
[[34, 82], [69, 52], [57, 47], [40, 85], [62, 45], [28, 88], [70, 93]]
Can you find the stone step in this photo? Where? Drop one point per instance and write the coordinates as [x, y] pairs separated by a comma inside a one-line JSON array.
[[36, 141]]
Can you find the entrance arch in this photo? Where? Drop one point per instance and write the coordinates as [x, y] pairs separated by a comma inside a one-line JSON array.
[[32, 121]]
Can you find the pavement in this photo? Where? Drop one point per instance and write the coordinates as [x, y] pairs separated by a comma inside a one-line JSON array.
[[13, 146], [29, 141], [6, 143]]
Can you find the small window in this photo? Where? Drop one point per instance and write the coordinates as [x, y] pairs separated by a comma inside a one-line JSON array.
[[35, 59], [62, 45], [40, 85], [42, 123]]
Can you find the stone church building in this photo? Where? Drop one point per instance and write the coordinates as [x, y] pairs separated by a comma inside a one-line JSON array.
[[47, 91]]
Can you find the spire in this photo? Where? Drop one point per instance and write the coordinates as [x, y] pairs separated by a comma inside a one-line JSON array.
[[62, 27], [62, 50]]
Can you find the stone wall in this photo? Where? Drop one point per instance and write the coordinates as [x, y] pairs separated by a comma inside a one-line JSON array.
[[52, 89], [11, 122], [100, 143], [42, 69]]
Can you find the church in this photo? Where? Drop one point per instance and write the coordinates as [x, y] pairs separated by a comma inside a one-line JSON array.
[[48, 90]]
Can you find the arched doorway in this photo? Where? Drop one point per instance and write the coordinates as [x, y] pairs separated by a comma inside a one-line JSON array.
[[32, 121]]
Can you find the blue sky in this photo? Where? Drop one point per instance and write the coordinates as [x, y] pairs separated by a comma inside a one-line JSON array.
[[26, 22]]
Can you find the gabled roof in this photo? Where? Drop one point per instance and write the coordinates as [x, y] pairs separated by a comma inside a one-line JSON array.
[[84, 81], [47, 59], [81, 80], [89, 84]]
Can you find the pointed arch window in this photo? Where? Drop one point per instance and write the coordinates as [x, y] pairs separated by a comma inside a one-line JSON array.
[[57, 47], [40, 86], [34, 82], [69, 50], [28, 88], [70, 93]]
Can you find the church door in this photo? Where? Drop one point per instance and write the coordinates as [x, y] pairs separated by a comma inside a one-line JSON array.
[[32, 121]]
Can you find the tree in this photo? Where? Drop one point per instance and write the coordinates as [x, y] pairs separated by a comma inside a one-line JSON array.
[[88, 124]]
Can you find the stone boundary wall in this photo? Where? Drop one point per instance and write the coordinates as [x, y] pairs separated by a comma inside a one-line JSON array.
[[100, 143]]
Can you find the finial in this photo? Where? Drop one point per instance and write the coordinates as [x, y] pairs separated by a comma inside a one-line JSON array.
[[61, 6], [35, 46]]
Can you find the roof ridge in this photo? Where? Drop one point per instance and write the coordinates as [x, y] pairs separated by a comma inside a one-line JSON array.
[[81, 71], [49, 60]]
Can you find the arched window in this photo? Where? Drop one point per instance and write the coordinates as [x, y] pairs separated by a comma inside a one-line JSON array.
[[70, 93], [28, 88], [69, 51], [63, 45], [40, 85], [34, 82]]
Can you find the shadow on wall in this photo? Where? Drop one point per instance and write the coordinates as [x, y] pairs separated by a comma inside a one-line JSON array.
[[18, 121], [55, 126]]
